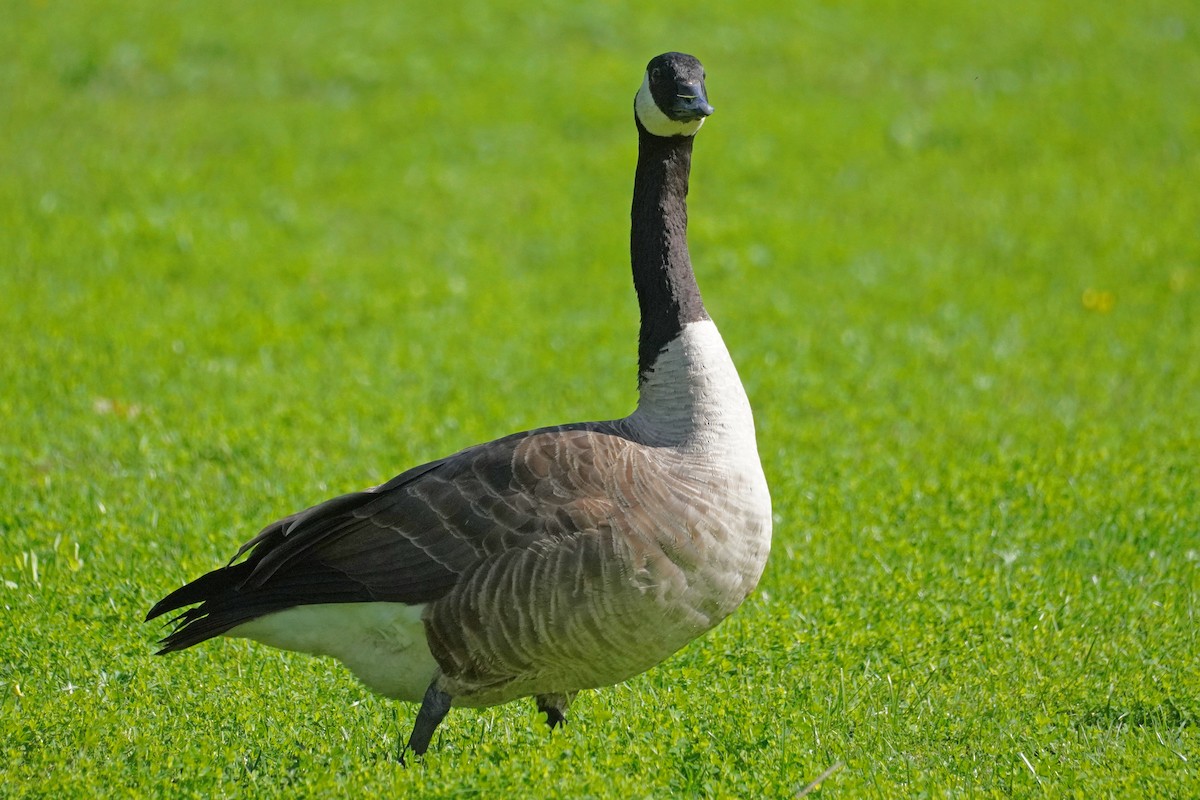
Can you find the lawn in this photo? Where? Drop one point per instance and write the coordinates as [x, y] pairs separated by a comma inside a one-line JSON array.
[[253, 255]]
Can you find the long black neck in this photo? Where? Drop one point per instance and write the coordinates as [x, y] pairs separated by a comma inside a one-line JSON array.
[[662, 270]]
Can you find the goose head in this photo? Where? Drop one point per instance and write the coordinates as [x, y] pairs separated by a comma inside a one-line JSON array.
[[672, 100]]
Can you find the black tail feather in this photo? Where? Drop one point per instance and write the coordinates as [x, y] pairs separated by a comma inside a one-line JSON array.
[[194, 630], [211, 590], [227, 598], [306, 559], [207, 587]]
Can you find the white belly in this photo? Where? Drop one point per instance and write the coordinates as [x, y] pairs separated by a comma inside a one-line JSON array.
[[382, 643]]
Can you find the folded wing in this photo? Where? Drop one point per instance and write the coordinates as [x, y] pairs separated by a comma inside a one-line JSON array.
[[411, 539]]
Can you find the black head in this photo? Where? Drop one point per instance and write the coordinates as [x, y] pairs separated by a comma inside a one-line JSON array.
[[672, 100]]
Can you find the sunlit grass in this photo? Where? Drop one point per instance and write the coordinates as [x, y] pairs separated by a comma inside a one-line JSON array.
[[252, 256]]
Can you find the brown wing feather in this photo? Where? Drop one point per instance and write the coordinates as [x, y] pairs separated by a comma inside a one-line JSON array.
[[630, 582]]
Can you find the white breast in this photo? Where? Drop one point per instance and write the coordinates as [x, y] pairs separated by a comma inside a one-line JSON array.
[[694, 400]]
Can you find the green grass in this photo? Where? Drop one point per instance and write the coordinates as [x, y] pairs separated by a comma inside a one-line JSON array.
[[252, 256]]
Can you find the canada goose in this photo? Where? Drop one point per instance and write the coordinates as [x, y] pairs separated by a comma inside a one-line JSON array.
[[549, 561]]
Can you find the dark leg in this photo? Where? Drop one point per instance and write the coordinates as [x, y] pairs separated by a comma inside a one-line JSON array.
[[554, 716], [554, 706], [434, 708]]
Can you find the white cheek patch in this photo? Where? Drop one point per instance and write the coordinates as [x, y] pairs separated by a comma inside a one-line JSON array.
[[655, 121]]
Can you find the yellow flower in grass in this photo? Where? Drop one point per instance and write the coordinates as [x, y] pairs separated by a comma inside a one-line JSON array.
[[1098, 300]]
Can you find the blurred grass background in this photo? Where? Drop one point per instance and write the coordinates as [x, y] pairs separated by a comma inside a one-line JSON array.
[[252, 256]]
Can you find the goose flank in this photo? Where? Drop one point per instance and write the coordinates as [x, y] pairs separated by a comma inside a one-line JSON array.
[[548, 561]]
